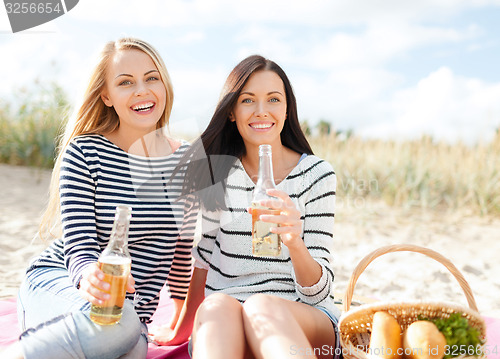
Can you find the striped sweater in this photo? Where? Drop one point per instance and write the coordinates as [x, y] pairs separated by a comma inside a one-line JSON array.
[[96, 176], [225, 247]]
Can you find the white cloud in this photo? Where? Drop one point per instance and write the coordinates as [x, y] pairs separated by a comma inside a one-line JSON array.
[[142, 13], [4, 22], [381, 43], [191, 37], [196, 94], [200, 13], [444, 105], [18, 54], [276, 44], [337, 54], [43, 57], [296, 12]]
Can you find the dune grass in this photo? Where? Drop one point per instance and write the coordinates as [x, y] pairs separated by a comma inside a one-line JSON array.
[[420, 173], [30, 128]]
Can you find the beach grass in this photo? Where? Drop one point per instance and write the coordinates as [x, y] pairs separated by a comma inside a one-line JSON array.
[[29, 129], [421, 173]]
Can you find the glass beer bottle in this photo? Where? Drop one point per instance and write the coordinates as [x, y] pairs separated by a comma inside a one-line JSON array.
[[115, 262], [264, 243]]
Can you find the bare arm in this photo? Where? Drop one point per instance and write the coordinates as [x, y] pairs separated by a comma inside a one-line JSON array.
[[178, 304], [184, 324]]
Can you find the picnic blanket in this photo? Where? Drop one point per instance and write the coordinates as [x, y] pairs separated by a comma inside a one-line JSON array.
[[10, 331]]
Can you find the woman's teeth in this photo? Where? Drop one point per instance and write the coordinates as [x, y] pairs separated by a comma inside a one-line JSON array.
[[143, 107], [261, 125]]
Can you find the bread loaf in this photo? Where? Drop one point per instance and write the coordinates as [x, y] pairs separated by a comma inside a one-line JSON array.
[[423, 340], [385, 339]]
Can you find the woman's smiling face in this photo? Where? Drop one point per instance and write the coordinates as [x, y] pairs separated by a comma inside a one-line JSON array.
[[260, 111], [135, 89]]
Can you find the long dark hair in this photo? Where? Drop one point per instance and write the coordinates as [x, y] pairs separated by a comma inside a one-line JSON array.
[[212, 156]]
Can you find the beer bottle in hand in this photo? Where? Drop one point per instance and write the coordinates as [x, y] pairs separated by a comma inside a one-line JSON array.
[[264, 243], [115, 262]]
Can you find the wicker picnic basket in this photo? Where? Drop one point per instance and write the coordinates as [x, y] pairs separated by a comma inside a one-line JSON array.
[[355, 324]]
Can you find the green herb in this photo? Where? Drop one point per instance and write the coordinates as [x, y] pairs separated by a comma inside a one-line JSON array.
[[461, 338]]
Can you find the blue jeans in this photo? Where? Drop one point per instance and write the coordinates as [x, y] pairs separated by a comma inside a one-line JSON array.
[[56, 324]]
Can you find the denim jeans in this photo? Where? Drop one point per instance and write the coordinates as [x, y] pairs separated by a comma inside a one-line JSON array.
[[56, 324]]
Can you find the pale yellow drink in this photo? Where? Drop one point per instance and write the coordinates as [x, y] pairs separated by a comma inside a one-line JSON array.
[[116, 272], [264, 243]]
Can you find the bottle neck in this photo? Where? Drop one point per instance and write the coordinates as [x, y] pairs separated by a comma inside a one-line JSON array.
[[266, 178], [118, 240], [119, 233]]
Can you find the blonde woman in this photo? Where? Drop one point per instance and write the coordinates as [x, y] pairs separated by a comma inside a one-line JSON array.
[[114, 152]]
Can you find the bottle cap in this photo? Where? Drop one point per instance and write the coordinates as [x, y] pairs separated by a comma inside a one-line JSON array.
[[265, 150], [123, 211]]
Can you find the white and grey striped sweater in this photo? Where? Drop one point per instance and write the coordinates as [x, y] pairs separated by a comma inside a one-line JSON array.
[[96, 176], [225, 246]]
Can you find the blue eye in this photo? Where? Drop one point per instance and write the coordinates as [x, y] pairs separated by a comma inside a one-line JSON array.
[[247, 100], [125, 82], [274, 99]]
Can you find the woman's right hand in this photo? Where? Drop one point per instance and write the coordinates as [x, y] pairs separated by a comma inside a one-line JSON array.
[[92, 285]]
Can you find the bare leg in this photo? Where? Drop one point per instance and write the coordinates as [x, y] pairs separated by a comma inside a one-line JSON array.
[[218, 328], [279, 328]]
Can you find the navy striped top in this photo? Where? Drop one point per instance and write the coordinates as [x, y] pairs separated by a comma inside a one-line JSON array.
[[96, 176]]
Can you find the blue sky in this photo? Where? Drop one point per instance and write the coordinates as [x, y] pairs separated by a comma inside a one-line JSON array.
[[383, 68]]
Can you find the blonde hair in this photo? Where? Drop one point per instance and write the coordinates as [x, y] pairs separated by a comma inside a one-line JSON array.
[[94, 117]]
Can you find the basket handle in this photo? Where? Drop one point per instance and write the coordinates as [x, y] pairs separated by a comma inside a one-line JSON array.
[[406, 248]]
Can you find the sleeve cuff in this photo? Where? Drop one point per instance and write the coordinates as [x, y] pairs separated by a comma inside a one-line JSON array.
[[315, 293], [200, 264], [76, 274]]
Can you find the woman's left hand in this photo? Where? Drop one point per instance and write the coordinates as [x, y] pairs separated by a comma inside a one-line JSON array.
[[290, 224]]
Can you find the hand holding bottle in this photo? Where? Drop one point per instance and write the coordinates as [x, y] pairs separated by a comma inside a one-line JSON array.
[[265, 243], [290, 227], [93, 287], [288, 220], [113, 267]]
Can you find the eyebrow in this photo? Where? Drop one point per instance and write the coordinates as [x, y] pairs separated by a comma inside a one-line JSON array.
[[252, 94], [145, 74]]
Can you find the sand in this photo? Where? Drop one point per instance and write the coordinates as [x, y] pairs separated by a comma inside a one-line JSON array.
[[24, 193], [471, 242]]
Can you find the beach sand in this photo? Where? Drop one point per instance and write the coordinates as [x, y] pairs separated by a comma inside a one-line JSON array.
[[471, 242]]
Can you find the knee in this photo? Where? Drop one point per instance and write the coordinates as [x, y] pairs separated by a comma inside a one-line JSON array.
[[109, 341], [123, 336], [218, 304], [129, 327]]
